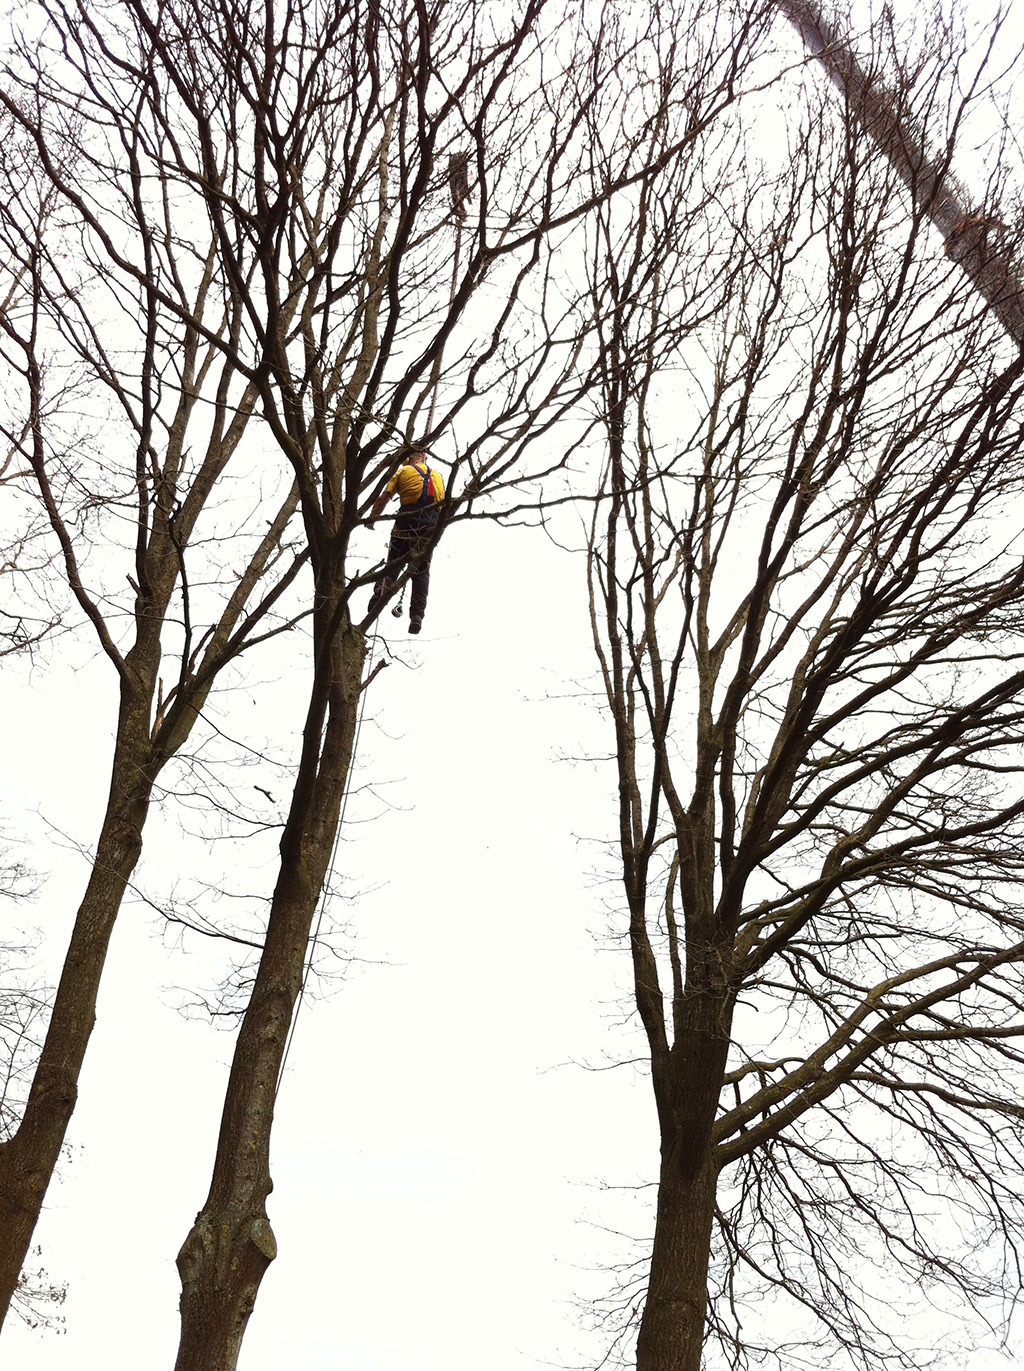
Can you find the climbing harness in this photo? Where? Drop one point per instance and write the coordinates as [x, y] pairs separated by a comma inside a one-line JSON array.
[[458, 179], [418, 516], [427, 498]]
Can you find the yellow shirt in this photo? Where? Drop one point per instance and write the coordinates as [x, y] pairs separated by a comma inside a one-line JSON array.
[[408, 481]]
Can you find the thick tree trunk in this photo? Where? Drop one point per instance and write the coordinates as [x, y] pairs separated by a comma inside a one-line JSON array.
[[225, 1256], [672, 1326], [27, 1160]]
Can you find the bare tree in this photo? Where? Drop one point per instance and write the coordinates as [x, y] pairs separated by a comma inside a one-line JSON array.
[[806, 597], [24, 998], [135, 342], [387, 200], [406, 358]]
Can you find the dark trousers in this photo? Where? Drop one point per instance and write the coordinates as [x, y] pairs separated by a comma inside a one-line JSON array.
[[409, 540]]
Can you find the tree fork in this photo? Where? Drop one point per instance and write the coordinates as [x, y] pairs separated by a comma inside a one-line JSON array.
[[225, 1256]]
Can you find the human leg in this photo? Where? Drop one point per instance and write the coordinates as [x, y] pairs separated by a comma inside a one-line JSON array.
[[420, 585], [399, 549]]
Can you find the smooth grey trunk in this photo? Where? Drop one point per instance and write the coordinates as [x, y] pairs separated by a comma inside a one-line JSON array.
[[971, 239], [225, 1256]]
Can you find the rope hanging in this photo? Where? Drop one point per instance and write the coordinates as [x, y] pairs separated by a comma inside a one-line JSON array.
[[459, 183], [397, 608]]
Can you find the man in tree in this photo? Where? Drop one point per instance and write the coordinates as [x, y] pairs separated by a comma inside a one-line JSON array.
[[420, 492]]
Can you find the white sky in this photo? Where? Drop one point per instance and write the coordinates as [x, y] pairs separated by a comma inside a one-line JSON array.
[[436, 1158], [439, 1162]]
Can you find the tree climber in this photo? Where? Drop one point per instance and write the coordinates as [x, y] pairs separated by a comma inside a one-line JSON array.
[[420, 492]]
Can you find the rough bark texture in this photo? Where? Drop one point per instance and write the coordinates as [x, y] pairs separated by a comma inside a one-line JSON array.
[[672, 1326], [672, 1331], [28, 1159], [225, 1256]]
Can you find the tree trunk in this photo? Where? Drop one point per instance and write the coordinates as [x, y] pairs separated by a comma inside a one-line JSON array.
[[971, 239], [225, 1256], [672, 1326], [27, 1160]]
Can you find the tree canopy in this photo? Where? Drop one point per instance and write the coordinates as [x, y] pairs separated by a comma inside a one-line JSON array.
[[716, 285]]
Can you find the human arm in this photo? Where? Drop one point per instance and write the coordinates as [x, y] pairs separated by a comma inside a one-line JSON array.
[[382, 499]]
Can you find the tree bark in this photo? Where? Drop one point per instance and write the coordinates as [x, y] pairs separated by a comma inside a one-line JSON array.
[[971, 239], [27, 1160], [672, 1325], [225, 1256]]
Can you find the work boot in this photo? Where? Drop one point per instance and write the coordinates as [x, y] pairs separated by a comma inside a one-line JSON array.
[[415, 625]]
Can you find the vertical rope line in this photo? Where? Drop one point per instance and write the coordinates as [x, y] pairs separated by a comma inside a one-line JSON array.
[[400, 602], [330, 871], [451, 301], [355, 740]]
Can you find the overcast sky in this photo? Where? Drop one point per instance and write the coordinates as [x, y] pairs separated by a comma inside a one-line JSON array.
[[447, 1170], [440, 1150], [456, 1166]]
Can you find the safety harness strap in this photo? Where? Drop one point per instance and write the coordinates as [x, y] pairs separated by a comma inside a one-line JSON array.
[[426, 495]]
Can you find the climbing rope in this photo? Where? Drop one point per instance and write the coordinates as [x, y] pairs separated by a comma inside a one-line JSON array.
[[451, 301], [396, 611], [397, 608]]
